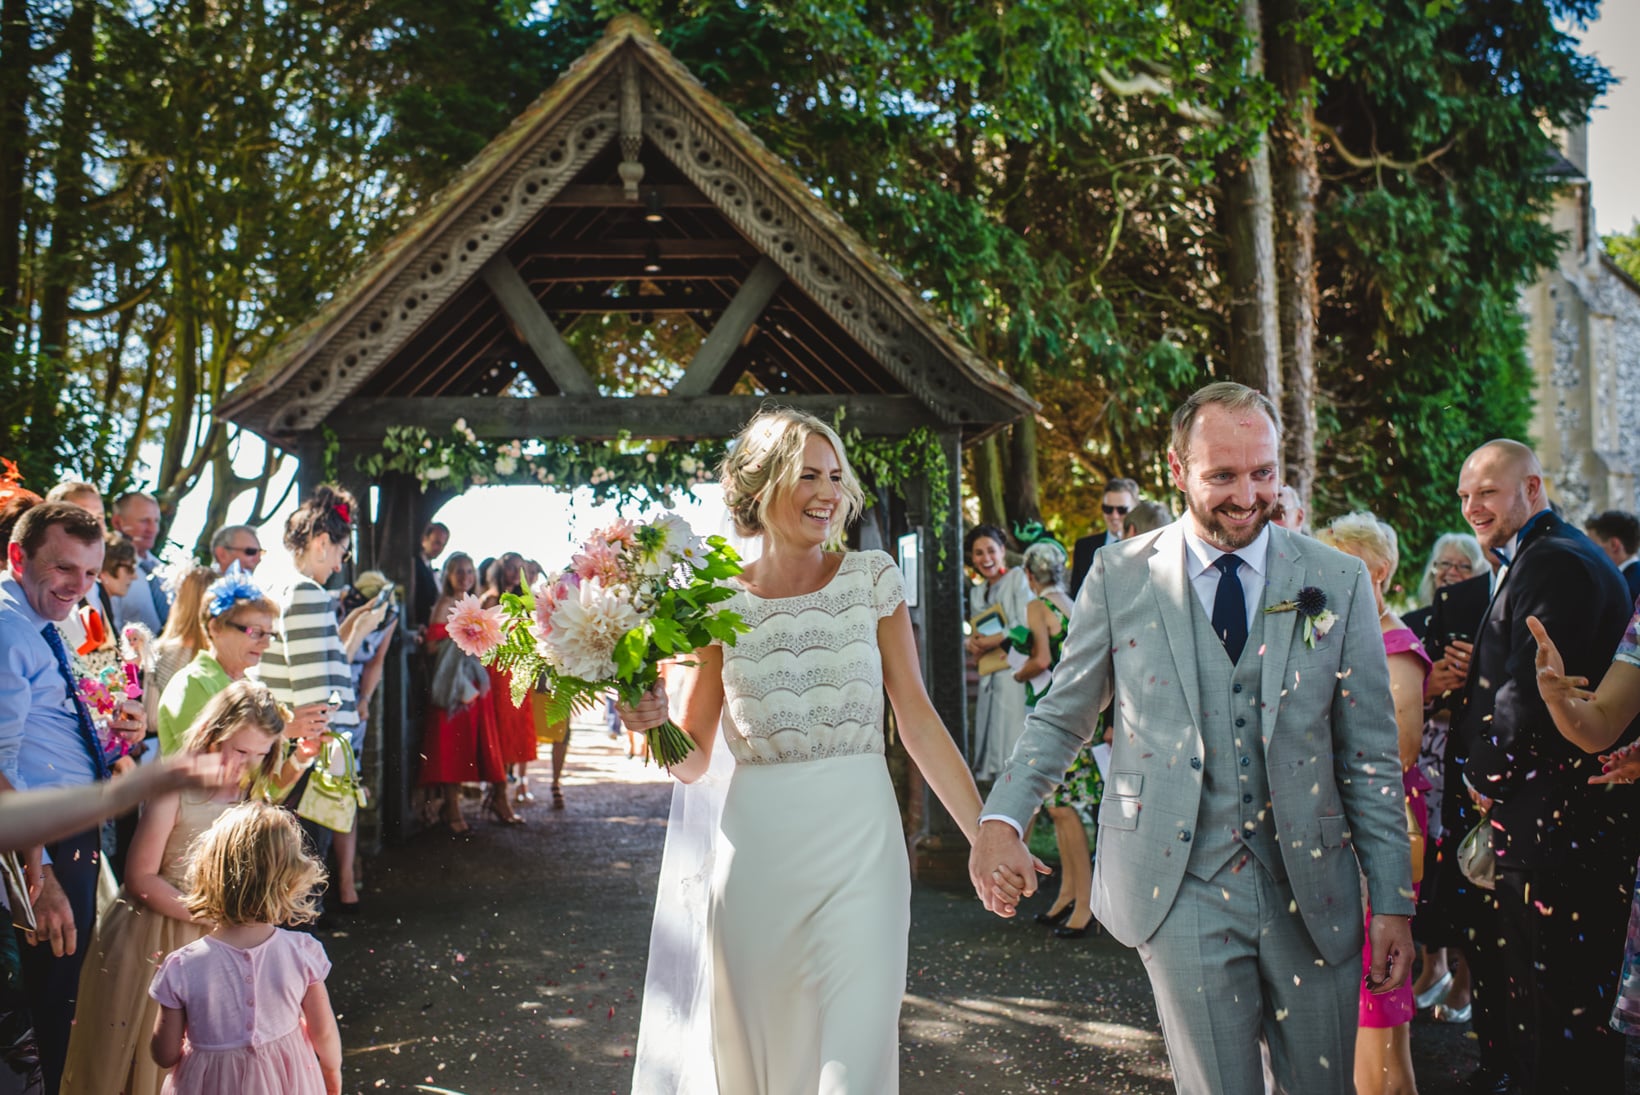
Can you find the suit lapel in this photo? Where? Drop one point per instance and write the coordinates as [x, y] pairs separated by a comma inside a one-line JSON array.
[[1284, 577], [1175, 601]]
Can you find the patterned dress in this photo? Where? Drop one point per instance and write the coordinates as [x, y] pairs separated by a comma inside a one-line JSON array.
[[1082, 785], [1626, 1012]]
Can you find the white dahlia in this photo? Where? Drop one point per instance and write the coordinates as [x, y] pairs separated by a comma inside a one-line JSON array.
[[585, 629]]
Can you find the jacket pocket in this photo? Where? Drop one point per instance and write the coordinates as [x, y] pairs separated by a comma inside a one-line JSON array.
[[1333, 832], [1127, 783], [1119, 812]]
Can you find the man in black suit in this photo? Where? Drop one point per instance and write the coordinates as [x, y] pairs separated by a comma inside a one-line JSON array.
[[1121, 495], [1566, 850], [1618, 534], [425, 592]]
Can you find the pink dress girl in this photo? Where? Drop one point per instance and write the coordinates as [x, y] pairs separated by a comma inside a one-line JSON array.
[[244, 1015]]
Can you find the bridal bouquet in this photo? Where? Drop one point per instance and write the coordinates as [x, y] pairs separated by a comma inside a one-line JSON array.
[[633, 596]]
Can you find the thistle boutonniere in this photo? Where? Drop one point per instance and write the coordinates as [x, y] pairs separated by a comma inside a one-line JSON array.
[[1310, 603]]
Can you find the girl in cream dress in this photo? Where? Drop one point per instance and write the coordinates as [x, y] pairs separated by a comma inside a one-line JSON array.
[[808, 908]]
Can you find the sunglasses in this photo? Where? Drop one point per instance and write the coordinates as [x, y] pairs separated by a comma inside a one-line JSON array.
[[252, 632], [1122, 510], [248, 552]]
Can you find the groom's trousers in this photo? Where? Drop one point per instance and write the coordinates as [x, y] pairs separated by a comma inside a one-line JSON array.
[[1232, 966]]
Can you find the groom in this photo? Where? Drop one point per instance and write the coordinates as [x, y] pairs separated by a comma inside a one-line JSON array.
[[1254, 775]]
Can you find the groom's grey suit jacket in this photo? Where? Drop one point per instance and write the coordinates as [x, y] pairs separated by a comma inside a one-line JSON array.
[[1327, 736]]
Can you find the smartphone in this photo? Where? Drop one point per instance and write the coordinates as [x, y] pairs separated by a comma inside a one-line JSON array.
[[1457, 637], [383, 597]]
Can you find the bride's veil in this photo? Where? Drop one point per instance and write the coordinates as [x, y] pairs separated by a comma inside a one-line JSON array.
[[675, 1025]]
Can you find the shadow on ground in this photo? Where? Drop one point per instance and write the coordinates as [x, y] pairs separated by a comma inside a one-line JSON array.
[[512, 960]]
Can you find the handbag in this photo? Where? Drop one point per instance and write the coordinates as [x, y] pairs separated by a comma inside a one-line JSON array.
[[1477, 859], [330, 799]]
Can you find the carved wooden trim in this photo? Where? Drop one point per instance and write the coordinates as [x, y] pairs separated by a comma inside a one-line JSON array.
[[391, 314]]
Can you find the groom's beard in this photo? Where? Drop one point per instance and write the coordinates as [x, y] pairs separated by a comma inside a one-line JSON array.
[[1216, 532]]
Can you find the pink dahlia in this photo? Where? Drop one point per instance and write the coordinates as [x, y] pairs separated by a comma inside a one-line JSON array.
[[599, 559], [473, 628], [622, 533]]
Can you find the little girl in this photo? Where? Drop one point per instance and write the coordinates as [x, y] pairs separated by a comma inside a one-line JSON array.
[[241, 993]]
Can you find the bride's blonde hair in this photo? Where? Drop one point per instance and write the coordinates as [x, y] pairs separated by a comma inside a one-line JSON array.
[[765, 461]]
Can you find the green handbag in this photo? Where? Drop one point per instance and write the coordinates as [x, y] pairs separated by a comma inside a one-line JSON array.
[[332, 800]]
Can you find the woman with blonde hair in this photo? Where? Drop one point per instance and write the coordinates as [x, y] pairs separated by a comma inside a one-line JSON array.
[[1383, 1043], [107, 1053], [810, 891]]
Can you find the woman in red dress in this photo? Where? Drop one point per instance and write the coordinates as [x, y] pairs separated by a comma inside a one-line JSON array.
[[515, 724], [461, 745]]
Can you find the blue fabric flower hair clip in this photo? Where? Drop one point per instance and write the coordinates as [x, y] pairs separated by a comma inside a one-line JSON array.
[[229, 590]]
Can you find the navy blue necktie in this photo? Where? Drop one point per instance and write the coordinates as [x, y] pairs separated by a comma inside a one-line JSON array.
[[1230, 607], [88, 734]]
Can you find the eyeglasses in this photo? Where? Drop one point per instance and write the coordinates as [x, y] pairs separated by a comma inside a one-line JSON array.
[[1443, 565], [1115, 510], [248, 552], [253, 633]]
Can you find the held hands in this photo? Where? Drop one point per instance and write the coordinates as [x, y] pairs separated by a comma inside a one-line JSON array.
[[1556, 688], [130, 721], [650, 712], [1002, 869]]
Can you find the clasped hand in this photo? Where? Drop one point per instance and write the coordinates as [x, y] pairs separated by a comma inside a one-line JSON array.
[[651, 711], [1002, 869]]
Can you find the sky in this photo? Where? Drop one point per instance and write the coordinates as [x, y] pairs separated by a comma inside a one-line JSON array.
[[544, 525]]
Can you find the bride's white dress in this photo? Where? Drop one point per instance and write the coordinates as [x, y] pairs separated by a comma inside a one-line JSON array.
[[810, 900]]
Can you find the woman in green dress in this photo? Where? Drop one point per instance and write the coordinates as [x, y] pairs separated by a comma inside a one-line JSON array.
[[1041, 641]]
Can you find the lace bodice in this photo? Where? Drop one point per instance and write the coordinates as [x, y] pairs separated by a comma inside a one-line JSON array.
[[806, 682]]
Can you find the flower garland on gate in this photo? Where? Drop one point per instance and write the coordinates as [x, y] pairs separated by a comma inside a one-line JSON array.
[[624, 470], [633, 470]]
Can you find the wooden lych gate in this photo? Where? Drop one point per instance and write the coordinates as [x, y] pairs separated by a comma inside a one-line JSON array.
[[626, 188]]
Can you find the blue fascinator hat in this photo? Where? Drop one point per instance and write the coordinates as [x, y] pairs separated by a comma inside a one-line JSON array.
[[230, 589]]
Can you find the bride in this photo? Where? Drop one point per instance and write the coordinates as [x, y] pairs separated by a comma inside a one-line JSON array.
[[810, 889]]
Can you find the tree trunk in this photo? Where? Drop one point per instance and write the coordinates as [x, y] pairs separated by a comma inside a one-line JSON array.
[[988, 480], [1248, 214], [1020, 493], [16, 82], [1297, 182]]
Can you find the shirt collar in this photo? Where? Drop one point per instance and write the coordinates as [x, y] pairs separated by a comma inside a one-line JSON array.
[[11, 591], [1203, 555]]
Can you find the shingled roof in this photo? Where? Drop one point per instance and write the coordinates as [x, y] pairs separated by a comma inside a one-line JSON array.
[[799, 302]]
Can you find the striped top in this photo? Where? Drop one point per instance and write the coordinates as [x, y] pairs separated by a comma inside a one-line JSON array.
[[306, 660]]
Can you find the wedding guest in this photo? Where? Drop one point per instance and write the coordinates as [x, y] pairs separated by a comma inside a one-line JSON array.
[[1383, 1042], [461, 744], [1595, 721], [1290, 513], [806, 987], [1565, 853], [237, 621], [1120, 496], [424, 590], [29, 819], [1618, 534], [1047, 620], [47, 740], [1456, 557], [181, 641], [1147, 517], [84, 495], [232, 544], [149, 603], [306, 664], [515, 723], [250, 875], [999, 712], [107, 1054], [91, 632]]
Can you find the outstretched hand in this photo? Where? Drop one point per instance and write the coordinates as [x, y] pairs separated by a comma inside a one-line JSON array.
[[1553, 684], [1002, 869], [1621, 766]]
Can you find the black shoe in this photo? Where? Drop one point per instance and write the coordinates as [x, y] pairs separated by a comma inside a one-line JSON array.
[[1053, 920], [1065, 931], [1489, 1081]]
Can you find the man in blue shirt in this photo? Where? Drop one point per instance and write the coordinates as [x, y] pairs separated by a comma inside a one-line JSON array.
[[137, 515], [47, 740]]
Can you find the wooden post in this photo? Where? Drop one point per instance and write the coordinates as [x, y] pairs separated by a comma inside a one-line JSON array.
[[940, 851], [398, 709]]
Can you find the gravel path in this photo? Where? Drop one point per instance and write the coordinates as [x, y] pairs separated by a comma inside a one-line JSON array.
[[512, 960]]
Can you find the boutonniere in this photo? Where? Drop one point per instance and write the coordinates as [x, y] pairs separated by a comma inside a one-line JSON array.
[[1310, 603]]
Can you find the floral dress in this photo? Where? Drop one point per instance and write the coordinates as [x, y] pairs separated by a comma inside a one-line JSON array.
[[1626, 1012], [1082, 785]]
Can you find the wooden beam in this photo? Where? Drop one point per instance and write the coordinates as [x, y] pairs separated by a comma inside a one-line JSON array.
[[597, 197], [637, 247], [731, 328], [667, 417], [536, 329]]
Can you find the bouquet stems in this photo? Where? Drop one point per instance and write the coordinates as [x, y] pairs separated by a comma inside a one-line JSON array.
[[668, 744]]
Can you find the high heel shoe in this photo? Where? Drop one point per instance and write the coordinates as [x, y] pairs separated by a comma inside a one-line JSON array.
[[1065, 931], [1054, 919], [493, 808], [1435, 993]]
